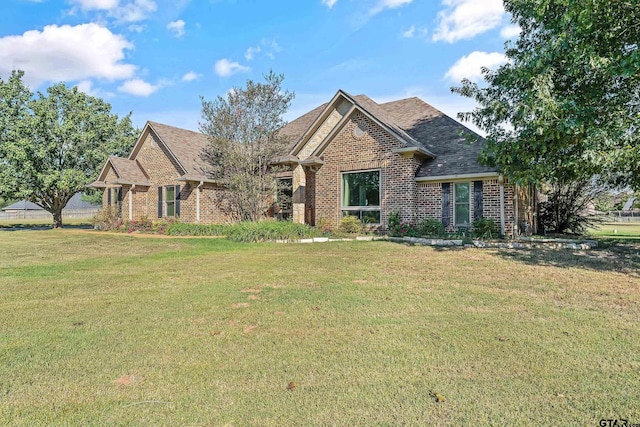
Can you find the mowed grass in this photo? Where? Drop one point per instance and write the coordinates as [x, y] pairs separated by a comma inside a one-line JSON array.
[[100, 329], [41, 222], [618, 230]]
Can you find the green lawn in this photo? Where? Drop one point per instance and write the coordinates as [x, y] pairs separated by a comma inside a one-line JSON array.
[[113, 330], [31, 222], [618, 230]]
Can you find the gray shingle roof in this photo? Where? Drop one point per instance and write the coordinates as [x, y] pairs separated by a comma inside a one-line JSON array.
[[441, 135], [74, 203], [421, 123], [413, 120], [296, 128], [186, 146], [129, 170]]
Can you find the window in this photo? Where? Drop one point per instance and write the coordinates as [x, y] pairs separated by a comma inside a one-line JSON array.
[[284, 197], [361, 196], [170, 200], [113, 197], [462, 207]]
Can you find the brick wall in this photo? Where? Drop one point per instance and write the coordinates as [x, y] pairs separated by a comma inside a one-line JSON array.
[[373, 150], [164, 171], [429, 203]]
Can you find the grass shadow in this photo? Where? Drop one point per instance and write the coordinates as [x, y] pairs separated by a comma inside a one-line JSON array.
[[621, 256]]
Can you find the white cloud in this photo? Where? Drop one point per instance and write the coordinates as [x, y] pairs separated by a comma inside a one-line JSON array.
[[137, 10], [226, 68], [266, 47], [86, 86], [96, 4], [413, 31], [138, 87], [387, 4], [176, 27], [470, 66], [410, 32], [191, 76], [510, 31], [329, 3], [465, 19], [66, 53], [251, 52]]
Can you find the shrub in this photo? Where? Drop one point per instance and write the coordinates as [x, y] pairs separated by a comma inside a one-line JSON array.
[[485, 228], [324, 226], [142, 225], [107, 219], [567, 207], [264, 231], [350, 224], [431, 227], [182, 229], [393, 222]]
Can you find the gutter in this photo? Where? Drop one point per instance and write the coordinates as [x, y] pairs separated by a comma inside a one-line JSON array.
[[458, 177]]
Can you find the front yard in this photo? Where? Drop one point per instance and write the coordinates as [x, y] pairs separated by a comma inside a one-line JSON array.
[[115, 330]]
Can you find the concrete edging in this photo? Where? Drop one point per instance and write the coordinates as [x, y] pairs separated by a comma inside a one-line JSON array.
[[481, 244]]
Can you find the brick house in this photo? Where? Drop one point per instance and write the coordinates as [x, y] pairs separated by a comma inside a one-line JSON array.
[[350, 156]]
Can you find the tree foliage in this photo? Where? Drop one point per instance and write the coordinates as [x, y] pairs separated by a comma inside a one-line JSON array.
[[243, 131], [567, 103], [53, 144]]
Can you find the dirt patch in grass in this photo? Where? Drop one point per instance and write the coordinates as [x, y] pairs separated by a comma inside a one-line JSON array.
[[127, 380]]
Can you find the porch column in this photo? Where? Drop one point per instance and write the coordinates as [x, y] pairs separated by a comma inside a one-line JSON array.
[[131, 202], [198, 191], [299, 197]]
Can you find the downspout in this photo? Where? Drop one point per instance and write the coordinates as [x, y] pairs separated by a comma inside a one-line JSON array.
[[516, 228], [502, 225], [198, 190], [131, 202]]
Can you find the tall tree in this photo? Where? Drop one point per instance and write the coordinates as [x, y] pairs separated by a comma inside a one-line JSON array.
[[243, 140], [52, 145], [566, 106]]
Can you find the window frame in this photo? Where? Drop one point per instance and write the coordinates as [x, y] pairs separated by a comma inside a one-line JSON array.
[[358, 211], [166, 201], [284, 210], [456, 203], [113, 198]]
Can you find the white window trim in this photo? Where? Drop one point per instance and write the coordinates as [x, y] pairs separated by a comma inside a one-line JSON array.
[[362, 208], [455, 219]]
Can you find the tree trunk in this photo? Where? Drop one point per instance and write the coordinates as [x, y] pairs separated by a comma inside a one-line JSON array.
[[57, 219]]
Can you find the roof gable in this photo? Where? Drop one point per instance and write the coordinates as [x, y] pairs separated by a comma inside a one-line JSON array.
[[127, 171], [345, 105], [182, 145]]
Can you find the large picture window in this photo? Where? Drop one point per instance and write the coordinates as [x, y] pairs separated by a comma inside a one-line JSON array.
[[462, 207], [361, 196]]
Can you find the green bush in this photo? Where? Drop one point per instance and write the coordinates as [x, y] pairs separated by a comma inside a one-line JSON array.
[[182, 229], [350, 224], [393, 223], [485, 228], [107, 219], [265, 231], [431, 227]]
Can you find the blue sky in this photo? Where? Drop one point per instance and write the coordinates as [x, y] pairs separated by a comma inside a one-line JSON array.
[[156, 58]]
